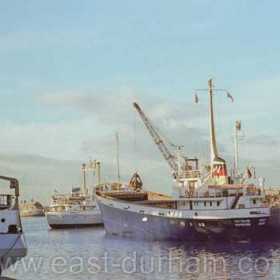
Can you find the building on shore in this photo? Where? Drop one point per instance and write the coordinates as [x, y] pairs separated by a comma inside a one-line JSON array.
[[272, 197], [31, 209]]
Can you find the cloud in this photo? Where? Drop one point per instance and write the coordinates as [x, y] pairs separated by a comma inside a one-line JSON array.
[[117, 107], [183, 123], [180, 121], [64, 145], [264, 140], [39, 176], [65, 99], [113, 112]]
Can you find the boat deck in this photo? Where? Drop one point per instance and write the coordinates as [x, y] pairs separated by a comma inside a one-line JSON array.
[[142, 198]]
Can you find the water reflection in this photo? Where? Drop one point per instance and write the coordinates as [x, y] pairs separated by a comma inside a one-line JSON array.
[[90, 254]]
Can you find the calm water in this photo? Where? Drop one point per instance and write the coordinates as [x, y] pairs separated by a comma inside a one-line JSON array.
[[90, 254]]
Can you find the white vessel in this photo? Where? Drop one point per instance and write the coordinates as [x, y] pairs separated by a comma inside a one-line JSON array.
[[77, 209], [12, 242], [74, 210]]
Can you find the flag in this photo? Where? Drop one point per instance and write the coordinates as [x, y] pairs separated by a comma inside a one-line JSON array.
[[196, 98], [249, 174], [229, 96]]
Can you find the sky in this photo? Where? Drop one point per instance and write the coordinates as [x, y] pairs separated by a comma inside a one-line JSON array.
[[70, 71]]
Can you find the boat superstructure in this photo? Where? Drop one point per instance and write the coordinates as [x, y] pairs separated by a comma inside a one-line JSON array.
[[206, 202], [77, 209], [12, 242]]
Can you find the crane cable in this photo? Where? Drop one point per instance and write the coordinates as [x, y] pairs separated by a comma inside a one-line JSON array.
[[163, 135], [135, 141]]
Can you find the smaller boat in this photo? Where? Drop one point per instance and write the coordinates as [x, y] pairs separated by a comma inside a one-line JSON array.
[[12, 242], [31, 209], [73, 210], [77, 209]]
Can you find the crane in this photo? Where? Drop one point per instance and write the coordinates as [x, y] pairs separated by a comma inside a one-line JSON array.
[[174, 160]]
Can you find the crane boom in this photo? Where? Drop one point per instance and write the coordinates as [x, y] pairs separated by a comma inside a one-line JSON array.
[[168, 156]]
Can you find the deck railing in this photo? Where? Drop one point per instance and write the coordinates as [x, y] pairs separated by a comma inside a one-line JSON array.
[[247, 191], [190, 174]]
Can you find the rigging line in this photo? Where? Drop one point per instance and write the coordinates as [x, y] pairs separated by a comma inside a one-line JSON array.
[[134, 141], [162, 134]]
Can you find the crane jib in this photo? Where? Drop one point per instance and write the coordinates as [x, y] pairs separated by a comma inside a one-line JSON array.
[[168, 156]]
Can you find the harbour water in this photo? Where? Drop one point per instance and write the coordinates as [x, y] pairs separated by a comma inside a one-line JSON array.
[[90, 254]]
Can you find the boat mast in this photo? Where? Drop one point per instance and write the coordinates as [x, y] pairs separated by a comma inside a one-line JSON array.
[[99, 172], [84, 178], [237, 139], [93, 166], [214, 152], [236, 159], [118, 158], [218, 165]]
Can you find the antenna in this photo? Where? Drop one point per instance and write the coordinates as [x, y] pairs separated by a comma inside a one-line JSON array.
[[84, 178], [236, 159], [238, 136], [99, 172]]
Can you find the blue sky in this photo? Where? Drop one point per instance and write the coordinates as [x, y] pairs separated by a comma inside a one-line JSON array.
[[69, 71]]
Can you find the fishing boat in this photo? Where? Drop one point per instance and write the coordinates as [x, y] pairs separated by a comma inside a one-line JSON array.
[[77, 209], [206, 203], [12, 242]]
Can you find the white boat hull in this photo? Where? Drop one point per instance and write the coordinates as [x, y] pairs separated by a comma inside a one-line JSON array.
[[74, 219]]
